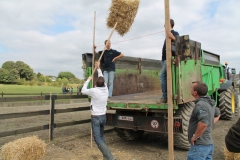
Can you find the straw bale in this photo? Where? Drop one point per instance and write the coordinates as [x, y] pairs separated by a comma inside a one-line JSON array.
[[28, 148], [123, 12], [230, 155]]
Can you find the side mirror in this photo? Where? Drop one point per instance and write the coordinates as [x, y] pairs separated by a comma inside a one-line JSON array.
[[233, 71]]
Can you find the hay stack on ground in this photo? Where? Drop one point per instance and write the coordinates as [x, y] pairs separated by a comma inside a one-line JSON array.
[[231, 155], [123, 12], [29, 148]]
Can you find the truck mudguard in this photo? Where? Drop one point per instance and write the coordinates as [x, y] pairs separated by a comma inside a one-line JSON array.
[[226, 85]]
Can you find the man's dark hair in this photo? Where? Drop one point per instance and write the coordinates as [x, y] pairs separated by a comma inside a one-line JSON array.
[[105, 42], [100, 82], [172, 22], [201, 88]]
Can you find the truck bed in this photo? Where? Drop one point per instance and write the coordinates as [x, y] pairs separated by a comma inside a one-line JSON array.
[[144, 101]]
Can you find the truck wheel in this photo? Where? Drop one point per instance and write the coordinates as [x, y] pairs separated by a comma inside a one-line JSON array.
[[184, 111], [236, 103], [227, 103], [128, 134]]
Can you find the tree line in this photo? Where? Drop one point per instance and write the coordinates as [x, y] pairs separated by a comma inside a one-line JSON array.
[[21, 73]]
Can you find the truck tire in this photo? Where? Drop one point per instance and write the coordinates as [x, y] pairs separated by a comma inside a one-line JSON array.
[[227, 103], [128, 134], [236, 103], [184, 111]]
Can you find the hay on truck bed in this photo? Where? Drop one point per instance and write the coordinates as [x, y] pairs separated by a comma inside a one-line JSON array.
[[28, 148], [123, 12]]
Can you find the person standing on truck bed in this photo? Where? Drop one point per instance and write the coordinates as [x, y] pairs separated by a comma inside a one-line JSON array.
[[203, 117], [99, 98], [163, 75], [109, 58]]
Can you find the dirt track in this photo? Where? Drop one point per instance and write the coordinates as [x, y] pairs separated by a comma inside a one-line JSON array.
[[73, 142]]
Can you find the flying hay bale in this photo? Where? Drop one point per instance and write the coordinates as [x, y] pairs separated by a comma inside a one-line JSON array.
[[28, 148], [230, 155], [123, 12]]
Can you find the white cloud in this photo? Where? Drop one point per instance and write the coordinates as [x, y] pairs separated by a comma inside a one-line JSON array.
[[25, 29]]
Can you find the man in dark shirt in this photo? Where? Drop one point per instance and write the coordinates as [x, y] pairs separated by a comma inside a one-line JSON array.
[[163, 75], [232, 139], [203, 117], [109, 57]]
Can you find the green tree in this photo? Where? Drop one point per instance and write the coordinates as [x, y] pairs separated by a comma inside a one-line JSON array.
[[40, 77], [59, 81], [24, 70], [8, 65], [48, 79], [13, 76], [39, 74], [67, 75], [8, 76], [4, 75], [65, 81]]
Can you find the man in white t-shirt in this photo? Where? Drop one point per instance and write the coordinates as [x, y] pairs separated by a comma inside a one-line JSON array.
[[99, 97]]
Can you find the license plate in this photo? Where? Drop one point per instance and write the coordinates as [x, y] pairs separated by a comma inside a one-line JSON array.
[[125, 118]]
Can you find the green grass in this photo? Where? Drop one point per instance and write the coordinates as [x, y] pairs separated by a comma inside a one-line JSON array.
[[6, 88]]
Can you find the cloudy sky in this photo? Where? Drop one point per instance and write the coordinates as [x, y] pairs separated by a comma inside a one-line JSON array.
[[51, 35]]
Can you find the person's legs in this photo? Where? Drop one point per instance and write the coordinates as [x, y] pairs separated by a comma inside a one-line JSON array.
[[97, 128], [192, 153], [200, 152], [111, 79], [103, 122], [106, 76], [211, 151], [163, 80]]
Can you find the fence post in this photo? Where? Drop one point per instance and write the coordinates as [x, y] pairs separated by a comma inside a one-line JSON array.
[[52, 116], [2, 93]]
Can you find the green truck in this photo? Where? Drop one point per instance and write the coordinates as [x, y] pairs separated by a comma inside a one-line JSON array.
[[137, 88]]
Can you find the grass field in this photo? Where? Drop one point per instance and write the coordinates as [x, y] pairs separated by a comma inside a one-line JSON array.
[[5, 88]]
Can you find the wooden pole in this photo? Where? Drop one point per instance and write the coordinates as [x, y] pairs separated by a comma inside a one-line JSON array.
[[50, 113], [93, 55], [169, 80]]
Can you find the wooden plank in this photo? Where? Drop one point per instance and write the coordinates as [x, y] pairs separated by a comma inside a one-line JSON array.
[[22, 94], [21, 131], [71, 96], [42, 112], [58, 125], [23, 114], [72, 109], [27, 98], [169, 79]]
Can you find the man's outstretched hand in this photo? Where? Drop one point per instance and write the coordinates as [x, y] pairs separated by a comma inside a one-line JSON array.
[[97, 64], [90, 78]]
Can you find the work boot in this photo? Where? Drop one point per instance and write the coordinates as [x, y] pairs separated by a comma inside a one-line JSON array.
[[163, 100]]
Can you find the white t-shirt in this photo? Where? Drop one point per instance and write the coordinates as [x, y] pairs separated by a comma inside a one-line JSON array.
[[99, 96]]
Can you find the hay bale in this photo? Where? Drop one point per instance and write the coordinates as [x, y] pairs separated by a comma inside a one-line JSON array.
[[28, 148], [230, 155], [123, 12]]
